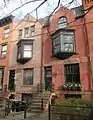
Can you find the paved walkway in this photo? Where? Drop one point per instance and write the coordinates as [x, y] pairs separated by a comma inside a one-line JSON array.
[[30, 116]]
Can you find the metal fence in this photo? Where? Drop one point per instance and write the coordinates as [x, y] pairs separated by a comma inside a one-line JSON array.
[[17, 106], [60, 112]]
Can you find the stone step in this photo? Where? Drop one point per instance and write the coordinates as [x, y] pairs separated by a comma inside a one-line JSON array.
[[34, 110]]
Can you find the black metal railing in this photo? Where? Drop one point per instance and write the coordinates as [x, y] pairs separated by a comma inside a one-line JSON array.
[[17, 106]]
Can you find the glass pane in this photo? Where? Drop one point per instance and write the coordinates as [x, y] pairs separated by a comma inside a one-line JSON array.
[[28, 81], [27, 54], [26, 30], [6, 31], [69, 47], [28, 47], [4, 47], [62, 23], [32, 30], [6, 35], [56, 49], [28, 73], [20, 33], [68, 38], [3, 54]]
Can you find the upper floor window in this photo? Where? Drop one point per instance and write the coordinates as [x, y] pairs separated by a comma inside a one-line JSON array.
[[62, 22], [6, 32], [32, 30], [28, 77], [27, 51], [4, 50], [20, 33], [26, 32]]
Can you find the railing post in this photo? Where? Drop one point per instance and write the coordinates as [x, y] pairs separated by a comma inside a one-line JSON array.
[[24, 111], [49, 112], [42, 104], [8, 108]]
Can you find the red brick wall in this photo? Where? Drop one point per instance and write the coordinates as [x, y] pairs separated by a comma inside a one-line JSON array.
[[80, 57]]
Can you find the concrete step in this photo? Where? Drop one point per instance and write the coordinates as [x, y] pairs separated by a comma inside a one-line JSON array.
[[35, 107], [34, 110]]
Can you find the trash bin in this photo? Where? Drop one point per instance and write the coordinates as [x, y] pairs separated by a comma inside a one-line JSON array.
[[20, 105]]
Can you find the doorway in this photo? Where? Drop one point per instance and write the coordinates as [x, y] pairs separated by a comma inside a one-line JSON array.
[[11, 85], [48, 78]]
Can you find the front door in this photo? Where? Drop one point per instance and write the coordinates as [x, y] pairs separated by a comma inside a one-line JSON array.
[[11, 85], [48, 78]]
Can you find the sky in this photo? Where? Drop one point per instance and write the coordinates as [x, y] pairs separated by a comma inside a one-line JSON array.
[[42, 12]]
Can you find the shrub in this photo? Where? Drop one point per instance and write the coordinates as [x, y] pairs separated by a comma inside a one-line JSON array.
[[74, 101]]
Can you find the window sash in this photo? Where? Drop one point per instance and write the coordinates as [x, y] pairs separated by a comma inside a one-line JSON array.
[[28, 47], [6, 32], [27, 54], [27, 51], [4, 50], [26, 32], [32, 30], [72, 74], [20, 33], [62, 23], [69, 47], [28, 77]]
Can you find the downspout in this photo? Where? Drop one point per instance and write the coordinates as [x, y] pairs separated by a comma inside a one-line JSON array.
[[41, 66]]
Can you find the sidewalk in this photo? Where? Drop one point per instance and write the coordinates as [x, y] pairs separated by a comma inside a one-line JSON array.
[[30, 116]]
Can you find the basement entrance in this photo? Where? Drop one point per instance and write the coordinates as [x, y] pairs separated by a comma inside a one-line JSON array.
[[48, 78]]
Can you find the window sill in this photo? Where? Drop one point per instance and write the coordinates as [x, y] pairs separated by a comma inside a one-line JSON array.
[[2, 58], [5, 38]]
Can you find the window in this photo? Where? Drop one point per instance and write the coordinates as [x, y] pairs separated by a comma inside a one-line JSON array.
[[68, 42], [62, 23], [20, 33], [28, 77], [27, 51], [56, 45], [69, 96], [72, 74], [4, 50], [26, 32], [6, 32], [32, 30]]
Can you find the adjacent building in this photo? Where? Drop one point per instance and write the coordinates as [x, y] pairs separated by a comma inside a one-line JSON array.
[[25, 58], [6, 25]]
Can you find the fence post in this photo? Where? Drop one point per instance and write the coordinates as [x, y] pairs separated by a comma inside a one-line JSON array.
[[49, 112], [8, 108], [24, 111], [5, 111], [42, 104]]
